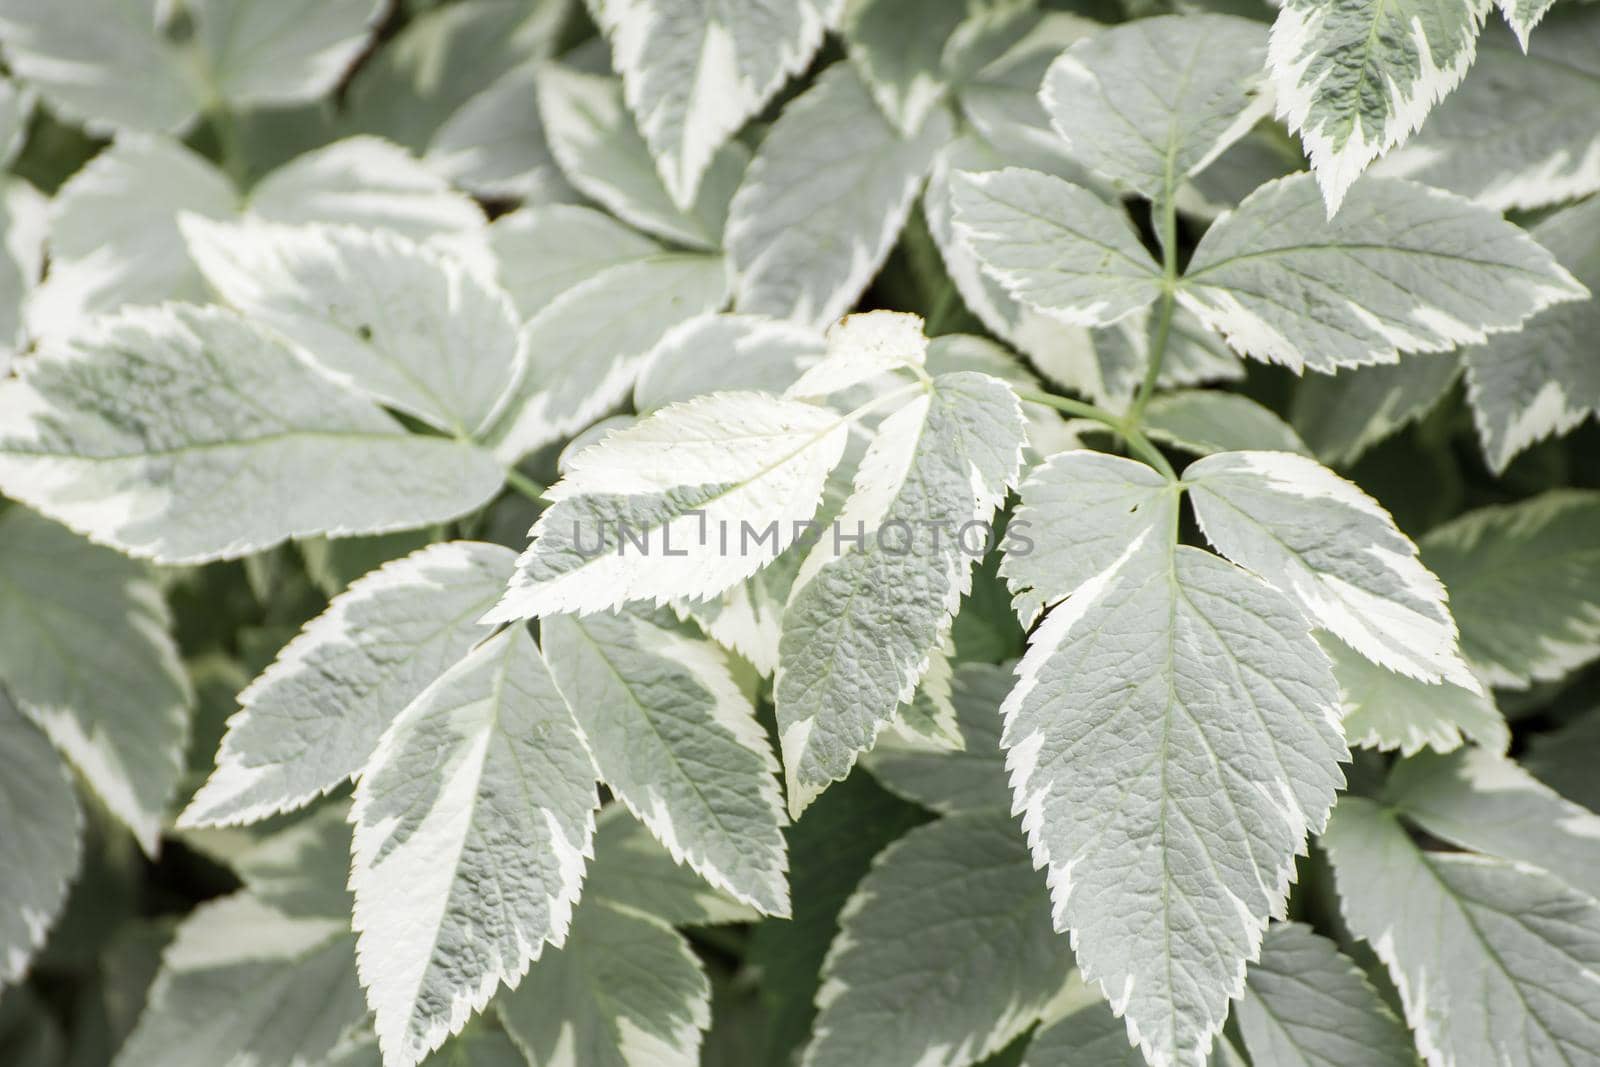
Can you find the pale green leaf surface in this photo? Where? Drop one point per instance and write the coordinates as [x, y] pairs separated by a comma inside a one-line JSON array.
[[971, 778], [625, 990], [1285, 284], [285, 52], [635, 872], [677, 742], [1480, 800], [1334, 551], [1089, 1035], [313, 719], [864, 619], [544, 251], [382, 314], [245, 985], [473, 822], [1390, 711], [88, 654], [694, 72], [1306, 1005], [1055, 246], [824, 200], [691, 478], [495, 144], [725, 353], [1342, 415], [186, 434], [1150, 102], [1080, 511], [862, 347], [1521, 579], [39, 839], [899, 45], [1204, 421], [1355, 78], [1519, 133], [583, 357], [24, 222], [1497, 963], [1544, 380], [1183, 703], [603, 155], [944, 953], [1565, 759]]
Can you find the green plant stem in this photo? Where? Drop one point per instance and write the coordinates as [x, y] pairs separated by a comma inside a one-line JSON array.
[[526, 486], [1167, 225], [1125, 428]]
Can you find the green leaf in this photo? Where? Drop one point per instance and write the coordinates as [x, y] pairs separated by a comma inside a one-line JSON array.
[[1151, 102], [88, 655], [186, 434], [495, 144], [1335, 552], [1564, 759], [634, 872], [1080, 511], [1055, 246], [1498, 963], [1390, 711], [625, 990], [583, 356], [1343, 415], [1520, 580], [1087, 1034], [419, 332], [705, 478], [725, 353], [115, 64], [544, 251], [602, 153], [40, 826], [1355, 78], [1486, 802], [861, 624], [1305, 1003], [1517, 133], [245, 985], [313, 718], [945, 951], [1172, 739], [824, 199], [971, 778], [1284, 284], [1205, 421], [898, 46], [675, 740], [473, 821], [693, 74], [1542, 381]]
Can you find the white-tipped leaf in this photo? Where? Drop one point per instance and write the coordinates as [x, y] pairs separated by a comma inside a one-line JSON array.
[[824, 200], [1355, 78], [187, 434], [678, 505], [39, 839], [381, 313], [1055, 246], [863, 347], [1153, 101], [1497, 963], [472, 825], [1335, 552], [1172, 740], [1390, 711], [88, 654], [876, 597], [693, 73], [313, 718], [1285, 284], [1080, 512], [1521, 580], [677, 742]]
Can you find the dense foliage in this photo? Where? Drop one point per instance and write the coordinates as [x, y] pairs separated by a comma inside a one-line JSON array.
[[843, 532]]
